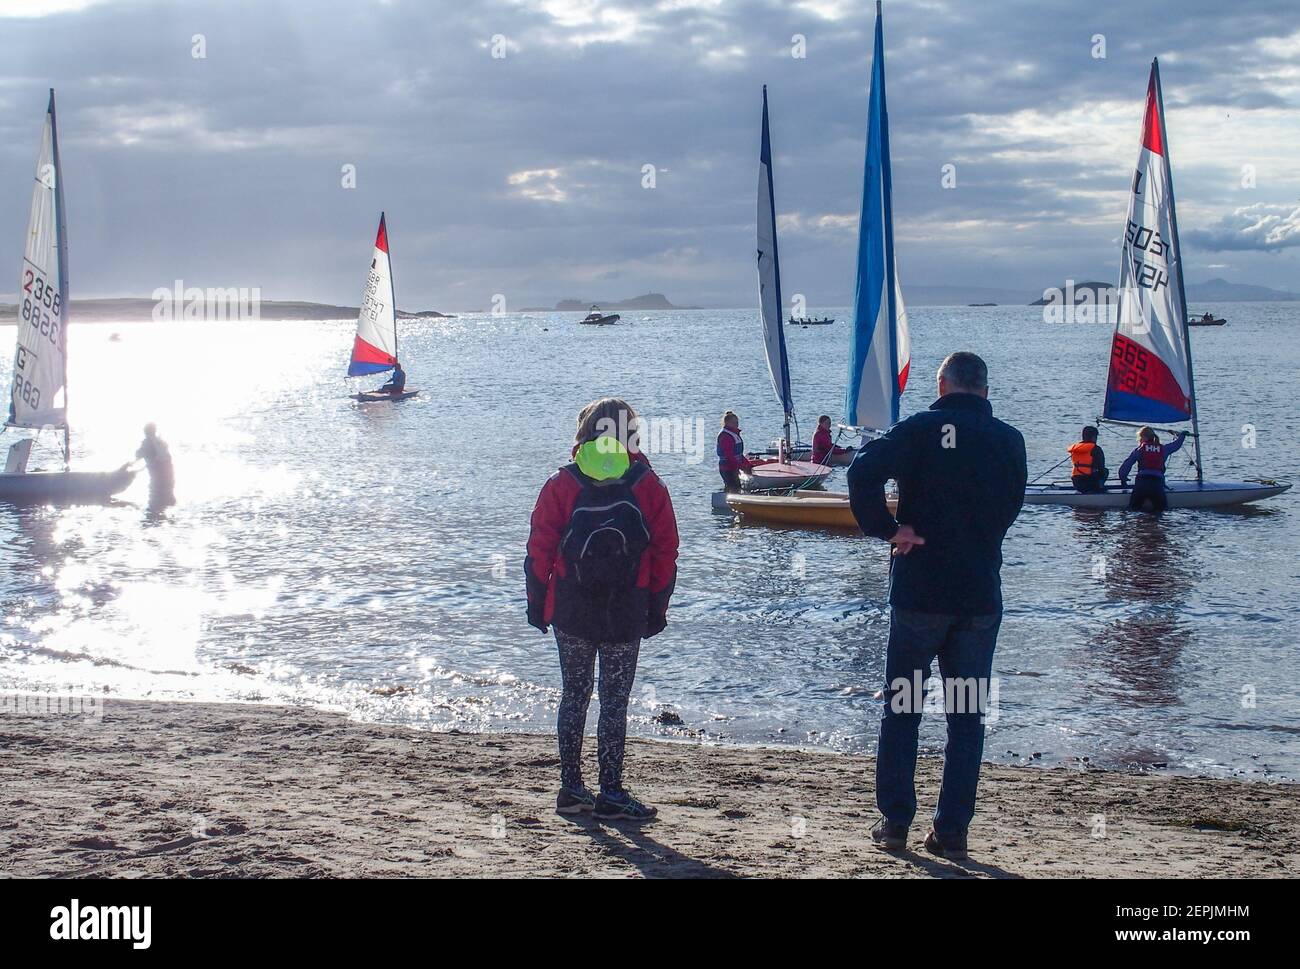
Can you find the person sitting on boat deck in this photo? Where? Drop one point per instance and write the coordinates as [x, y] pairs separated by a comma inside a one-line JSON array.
[[731, 453], [1090, 472], [157, 457], [1149, 456], [823, 446], [396, 383]]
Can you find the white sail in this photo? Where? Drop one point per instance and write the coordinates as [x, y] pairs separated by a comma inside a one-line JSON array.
[[39, 396], [770, 307], [375, 348], [1150, 367]]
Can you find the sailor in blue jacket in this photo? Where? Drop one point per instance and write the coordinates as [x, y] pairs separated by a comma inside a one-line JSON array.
[[961, 482]]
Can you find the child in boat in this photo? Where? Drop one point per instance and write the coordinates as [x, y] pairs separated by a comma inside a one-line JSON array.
[[1150, 457], [731, 453], [824, 447], [397, 383], [1089, 473], [601, 566]]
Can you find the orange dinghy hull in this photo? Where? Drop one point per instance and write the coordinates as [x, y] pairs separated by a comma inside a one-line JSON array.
[[803, 509]]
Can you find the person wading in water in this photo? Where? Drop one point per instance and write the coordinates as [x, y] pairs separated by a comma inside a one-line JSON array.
[[1150, 457], [157, 457]]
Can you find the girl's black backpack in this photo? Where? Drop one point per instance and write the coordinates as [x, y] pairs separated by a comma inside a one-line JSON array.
[[602, 549]]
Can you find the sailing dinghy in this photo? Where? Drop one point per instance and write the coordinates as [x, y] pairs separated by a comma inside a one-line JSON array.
[[782, 472], [375, 348], [39, 396], [1150, 379], [880, 350]]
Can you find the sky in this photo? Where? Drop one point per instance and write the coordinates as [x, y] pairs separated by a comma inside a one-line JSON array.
[[508, 142]]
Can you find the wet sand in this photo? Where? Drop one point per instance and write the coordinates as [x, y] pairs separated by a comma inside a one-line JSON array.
[[218, 790]]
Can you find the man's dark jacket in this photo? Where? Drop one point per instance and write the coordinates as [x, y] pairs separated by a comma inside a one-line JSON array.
[[961, 481]]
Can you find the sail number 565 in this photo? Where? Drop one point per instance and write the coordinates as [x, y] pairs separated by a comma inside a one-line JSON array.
[[1131, 365]]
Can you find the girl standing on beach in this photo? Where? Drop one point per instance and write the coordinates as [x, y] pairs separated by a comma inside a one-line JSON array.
[[601, 565]]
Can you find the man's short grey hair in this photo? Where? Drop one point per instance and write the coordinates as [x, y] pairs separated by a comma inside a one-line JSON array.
[[964, 370]]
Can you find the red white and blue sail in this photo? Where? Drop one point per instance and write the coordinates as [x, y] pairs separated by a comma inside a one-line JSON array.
[[880, 349], [1150, 363], [770, 307], [38, 394], [375, 348]]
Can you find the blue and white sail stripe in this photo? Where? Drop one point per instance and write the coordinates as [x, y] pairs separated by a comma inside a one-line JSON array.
[[880, 349]]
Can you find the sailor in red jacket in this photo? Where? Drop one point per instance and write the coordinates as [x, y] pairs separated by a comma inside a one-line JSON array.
[[731, 453], [823, 445], [601, 567], [1150, 457]]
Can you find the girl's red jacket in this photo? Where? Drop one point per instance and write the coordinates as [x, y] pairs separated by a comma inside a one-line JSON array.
[[544, 565]]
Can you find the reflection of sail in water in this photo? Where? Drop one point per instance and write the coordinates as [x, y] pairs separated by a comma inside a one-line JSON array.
[[1150, 578]]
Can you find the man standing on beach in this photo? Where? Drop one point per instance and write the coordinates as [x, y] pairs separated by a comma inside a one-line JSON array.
[[961, 481]]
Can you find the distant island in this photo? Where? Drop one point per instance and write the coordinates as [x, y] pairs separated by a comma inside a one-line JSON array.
[[1076, 293], [649, 301], [135, 310]]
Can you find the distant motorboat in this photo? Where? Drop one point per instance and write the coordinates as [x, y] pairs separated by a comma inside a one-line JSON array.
[[1207, 319], [597, 318], [806, 321]]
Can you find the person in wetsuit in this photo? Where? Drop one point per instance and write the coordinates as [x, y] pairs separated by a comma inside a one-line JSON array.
[[1150, 457], [157, 457]]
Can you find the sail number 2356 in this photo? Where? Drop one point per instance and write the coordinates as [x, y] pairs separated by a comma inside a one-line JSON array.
[[42, 305]]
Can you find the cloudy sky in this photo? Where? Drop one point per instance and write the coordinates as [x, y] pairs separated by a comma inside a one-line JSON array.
[[522, 174]]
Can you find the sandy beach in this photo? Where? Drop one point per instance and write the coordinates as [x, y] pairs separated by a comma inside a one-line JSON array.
[[207, 790]]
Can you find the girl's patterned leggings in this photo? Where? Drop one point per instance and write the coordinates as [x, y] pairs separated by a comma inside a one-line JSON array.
[[617, 671]]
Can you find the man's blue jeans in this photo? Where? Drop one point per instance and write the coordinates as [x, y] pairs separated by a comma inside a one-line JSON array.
[[964, 647]]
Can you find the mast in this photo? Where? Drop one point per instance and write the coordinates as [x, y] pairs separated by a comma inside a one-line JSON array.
[[392, 287], [775, 328], [1178, 247], [61, 247], [888, 209]]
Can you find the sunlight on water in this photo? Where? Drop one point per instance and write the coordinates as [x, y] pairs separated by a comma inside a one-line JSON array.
[[368, 558]]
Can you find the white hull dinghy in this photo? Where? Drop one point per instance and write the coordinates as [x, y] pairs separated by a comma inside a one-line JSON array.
[[1150, 381]]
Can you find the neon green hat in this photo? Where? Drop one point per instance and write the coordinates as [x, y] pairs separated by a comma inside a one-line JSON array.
[[603, 459]]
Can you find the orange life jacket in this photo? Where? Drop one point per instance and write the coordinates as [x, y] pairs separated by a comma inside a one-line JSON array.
[[1084, 454]]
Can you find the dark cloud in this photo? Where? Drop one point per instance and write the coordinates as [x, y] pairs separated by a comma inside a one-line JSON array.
[[523, 175]]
